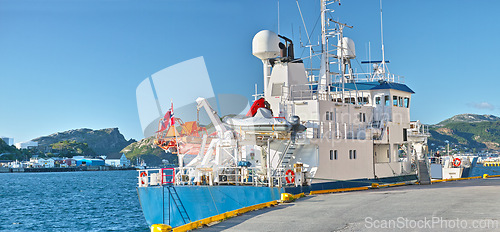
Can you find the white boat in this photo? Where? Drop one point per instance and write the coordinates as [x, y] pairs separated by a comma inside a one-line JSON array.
[[452, 166]]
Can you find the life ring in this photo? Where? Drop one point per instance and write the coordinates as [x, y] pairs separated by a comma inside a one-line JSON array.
[[457, 162], [142, 175], [290, 173]]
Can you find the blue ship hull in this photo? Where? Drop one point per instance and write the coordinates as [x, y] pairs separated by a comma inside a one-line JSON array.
[[180, 204]]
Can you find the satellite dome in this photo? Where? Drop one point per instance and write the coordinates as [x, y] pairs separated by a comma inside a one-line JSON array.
[[265, 45]]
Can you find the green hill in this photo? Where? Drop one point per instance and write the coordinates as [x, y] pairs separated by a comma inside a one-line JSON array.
[[102, 142], [467, 132], [149, 152], [469, 118], [10, 152]]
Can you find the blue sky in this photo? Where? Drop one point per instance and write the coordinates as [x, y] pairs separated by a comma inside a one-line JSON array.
[[73, 64]]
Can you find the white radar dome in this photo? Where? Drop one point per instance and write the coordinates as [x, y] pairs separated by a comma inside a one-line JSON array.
[[348, 48], [265, 45]]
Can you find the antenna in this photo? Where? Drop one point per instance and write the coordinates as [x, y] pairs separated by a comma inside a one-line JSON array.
[[382, 38], [279, 17]]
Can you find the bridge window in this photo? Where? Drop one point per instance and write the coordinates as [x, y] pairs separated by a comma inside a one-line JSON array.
[[350, 100], [327, 115], [386, 100], [400, 101], [395, 100], [407, 102], [350, 154], [362, 100], [377, 100]]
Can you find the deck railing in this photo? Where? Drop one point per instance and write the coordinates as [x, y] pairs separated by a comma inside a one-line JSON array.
[[223, 176]]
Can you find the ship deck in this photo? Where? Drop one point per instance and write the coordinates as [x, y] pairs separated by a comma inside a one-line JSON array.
[[437, 207]]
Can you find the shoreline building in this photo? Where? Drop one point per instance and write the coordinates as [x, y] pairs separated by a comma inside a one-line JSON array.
[[117, 160], [8, 140], [26, 145]]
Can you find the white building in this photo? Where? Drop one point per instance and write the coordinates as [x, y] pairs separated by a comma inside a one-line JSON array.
[[42, 163], [9, 141], [18, 164], [26, 145], [117, 160], [46, 163]]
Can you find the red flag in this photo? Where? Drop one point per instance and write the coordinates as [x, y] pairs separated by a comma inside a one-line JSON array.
[[172, 121], [168, 120]]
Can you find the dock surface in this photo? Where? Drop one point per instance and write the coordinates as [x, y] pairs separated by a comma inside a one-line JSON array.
[[467, 205]]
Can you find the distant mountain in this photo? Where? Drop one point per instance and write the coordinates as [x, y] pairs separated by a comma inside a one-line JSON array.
[[470, 118], [102, 142], [148, 151], [467, 132]]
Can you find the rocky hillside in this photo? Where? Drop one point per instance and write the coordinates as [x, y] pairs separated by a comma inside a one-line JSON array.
[[467, 133], [469, 118], [151, 154], [102, 142]]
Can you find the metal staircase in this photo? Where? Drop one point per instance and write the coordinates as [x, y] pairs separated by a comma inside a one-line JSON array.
[[423, 172], [178, 204], [286, 157]]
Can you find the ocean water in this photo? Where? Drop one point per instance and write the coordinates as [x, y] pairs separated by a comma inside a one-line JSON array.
[[479, 170], [70, 201]]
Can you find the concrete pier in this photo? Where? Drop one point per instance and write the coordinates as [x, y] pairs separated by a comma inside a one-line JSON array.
[[467, 205]]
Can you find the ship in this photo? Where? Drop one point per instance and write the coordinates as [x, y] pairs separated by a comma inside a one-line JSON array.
[[313, 128]]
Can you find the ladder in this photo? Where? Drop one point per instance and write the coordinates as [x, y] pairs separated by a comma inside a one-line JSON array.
[[287, 154], [178, 204], [423, 172]]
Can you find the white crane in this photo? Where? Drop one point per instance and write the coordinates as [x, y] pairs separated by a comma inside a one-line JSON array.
[[212, 114]]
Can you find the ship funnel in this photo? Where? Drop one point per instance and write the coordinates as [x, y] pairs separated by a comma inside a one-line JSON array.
[[265, 45]]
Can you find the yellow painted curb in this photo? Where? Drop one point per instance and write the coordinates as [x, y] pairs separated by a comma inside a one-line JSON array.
[[220, 217], [392, 185], [338, 190], [297, 196], [454, 179]]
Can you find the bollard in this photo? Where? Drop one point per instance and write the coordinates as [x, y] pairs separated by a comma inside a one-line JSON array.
[[485, 176], [286, 197], [160, 228]]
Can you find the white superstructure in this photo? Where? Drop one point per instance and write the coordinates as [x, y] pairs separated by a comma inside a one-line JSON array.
[[358, 124], [317, 124]]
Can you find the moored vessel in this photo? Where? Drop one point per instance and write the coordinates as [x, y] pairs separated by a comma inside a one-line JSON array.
[[312, 128]]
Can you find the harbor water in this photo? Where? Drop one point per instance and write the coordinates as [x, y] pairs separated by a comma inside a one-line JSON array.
[[479, 170], [70, 201], [82, 201]]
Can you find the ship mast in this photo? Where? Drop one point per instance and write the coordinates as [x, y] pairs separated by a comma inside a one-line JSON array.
[[382, 40], [324, 73], [343, 61]]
